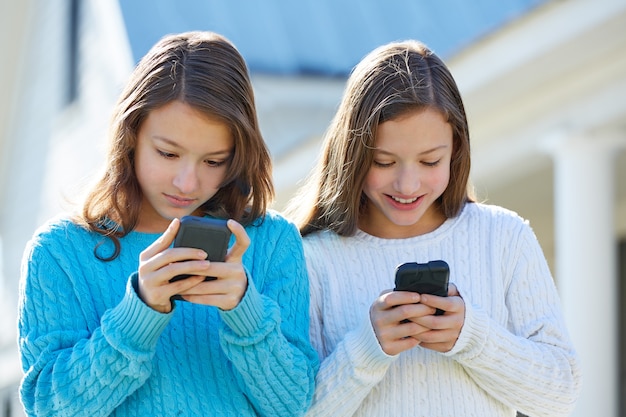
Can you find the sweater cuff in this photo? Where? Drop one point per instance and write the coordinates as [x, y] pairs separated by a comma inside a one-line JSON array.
[[365, 350], [473, 335], [247, 317], [132, 324]]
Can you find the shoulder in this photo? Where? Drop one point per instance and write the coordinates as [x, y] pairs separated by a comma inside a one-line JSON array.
[[498, 222], [274, 243], [493, 213], [272, 230], [320, 237], [58, 240], [272, 223], [271, 218], [324, 244], [58, 229]]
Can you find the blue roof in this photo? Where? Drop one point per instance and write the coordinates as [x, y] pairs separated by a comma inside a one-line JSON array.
[[323, 37]]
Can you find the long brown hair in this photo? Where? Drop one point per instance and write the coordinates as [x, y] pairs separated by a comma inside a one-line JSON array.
[[205, 71], [390, 81]]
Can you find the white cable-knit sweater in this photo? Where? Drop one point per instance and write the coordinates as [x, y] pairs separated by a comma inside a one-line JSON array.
[[513, 352]]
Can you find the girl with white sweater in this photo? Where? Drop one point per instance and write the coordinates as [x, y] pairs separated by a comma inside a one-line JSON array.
[[391, 186]]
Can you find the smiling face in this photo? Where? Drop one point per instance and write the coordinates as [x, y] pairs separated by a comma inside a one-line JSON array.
[[181, 159], [410, 171]]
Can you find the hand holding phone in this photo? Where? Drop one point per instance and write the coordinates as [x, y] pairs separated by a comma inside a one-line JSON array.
[[210, 235], [424, 278]]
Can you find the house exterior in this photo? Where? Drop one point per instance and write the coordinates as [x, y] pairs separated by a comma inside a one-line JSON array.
[[544, 89]]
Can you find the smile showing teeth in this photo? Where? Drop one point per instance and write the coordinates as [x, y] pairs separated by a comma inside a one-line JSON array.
[[403, 200]]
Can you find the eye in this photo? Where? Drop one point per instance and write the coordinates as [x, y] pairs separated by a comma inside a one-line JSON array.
[[383, 164], [431, 164], [215, 163], [166, 155]]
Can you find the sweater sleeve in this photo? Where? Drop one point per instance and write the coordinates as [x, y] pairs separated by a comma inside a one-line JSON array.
[[266, 335], [73, 366], [530, 364], [351, 370]]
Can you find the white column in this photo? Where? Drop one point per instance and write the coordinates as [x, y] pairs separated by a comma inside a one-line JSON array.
[[586, 258]]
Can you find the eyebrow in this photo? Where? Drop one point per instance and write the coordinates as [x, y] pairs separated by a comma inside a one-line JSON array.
[[429, 151], [225, 152]]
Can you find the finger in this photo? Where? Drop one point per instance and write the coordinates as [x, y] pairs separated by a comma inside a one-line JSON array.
[[163, 242], [416, 313], [396, 307], [222, 301], [172, 262], [393, 320], [447, 304], [453, 290], [438, 347], [225, 302], [185, 285], [158, 293], [242, 241], [227, 274], [437, 337], [188, 267], [225, 294], [395, 347], [452, 319], [397, 337], [391, 299]]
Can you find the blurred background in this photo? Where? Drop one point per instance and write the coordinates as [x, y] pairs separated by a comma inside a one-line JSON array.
[[544, 85]]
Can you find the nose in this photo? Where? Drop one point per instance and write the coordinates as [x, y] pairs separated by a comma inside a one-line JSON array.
[[407, 180], [186, 179]]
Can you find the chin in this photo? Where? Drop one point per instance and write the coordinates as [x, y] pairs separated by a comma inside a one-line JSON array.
[[405, 221], [174, 214]]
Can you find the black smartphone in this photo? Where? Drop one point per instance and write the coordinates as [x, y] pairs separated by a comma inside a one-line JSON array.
[[424, 278], [210, 235]]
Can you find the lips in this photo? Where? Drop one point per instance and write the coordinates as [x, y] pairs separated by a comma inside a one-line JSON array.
[[404, 200], [179, 201]]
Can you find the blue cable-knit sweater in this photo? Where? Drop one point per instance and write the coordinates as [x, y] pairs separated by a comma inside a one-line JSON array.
[[91, 347]]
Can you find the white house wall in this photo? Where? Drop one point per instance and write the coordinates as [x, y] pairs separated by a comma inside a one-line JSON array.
[[50, 147], [26, 141]]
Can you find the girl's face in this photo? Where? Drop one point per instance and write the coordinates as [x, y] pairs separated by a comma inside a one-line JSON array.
[[411, 169], [180, 161]]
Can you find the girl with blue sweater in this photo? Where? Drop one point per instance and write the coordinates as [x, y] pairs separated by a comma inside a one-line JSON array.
[[101, 331]]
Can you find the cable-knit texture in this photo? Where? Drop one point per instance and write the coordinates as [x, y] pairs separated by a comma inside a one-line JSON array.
[[91, 347], [514, 352]]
